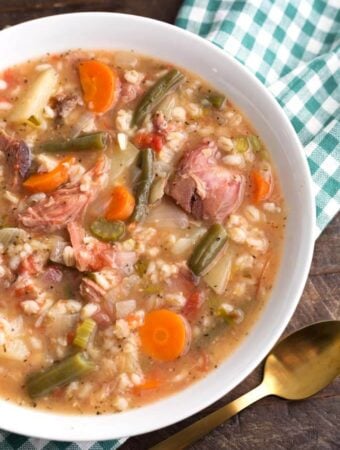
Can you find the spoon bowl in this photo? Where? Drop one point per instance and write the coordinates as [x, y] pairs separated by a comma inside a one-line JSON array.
[[305, 362], [299, 366]]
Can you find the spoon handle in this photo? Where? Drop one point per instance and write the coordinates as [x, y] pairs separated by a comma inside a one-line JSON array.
[[197, 430]]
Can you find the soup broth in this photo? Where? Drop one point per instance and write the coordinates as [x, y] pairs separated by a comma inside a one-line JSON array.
[[141, 229]]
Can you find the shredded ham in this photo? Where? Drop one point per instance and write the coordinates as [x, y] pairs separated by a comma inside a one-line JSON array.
[[130, 92], [91, 291], [95, 255], [66, 204]]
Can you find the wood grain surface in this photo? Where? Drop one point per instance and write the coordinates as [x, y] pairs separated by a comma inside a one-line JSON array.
[[272, 423]]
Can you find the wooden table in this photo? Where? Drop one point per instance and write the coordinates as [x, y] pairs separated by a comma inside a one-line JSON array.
[[272, 423]]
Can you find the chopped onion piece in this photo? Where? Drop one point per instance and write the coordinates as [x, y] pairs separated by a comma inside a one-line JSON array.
[[125, 308], [167, 215], [121, 160], [10, 235], [184, 244], [57, 249], [84, 123], [157, 190], [122, 141], [217, 278]]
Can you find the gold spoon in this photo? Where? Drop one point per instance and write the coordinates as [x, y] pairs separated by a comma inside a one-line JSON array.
[[299, 366]]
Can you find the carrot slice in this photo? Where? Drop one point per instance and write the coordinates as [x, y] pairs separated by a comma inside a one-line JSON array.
[[147, 385], [100, 85], [261, 187], [121, 205], [50, 181], [164, 335]]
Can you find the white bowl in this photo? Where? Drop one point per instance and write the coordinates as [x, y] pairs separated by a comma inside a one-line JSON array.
[[116, 31]]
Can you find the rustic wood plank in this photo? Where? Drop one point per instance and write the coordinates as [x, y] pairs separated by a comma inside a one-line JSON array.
[[16, 11], [271, 423], [327, 251]]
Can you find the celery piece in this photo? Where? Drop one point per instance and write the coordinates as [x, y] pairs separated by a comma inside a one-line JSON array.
[[152, 289], [217, 100], [107, 231], [225, 315], [141, 266], [255, 143], [84, 332], [241, 144]]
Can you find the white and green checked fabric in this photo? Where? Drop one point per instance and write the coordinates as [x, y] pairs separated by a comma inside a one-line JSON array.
[[10, 441], [293, 47]]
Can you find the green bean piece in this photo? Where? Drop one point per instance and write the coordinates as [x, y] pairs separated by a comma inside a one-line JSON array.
[[33, 120], [229, 316], [84, 333], [217, 100], [106, 230], [90, 141], [241, 144], [207, 249], [152, 289], [61, 373], [244, 143], [143, 185], [141, 267], [255, 143], [156, 94]]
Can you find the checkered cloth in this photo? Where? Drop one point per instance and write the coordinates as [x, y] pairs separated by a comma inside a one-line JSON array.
[[293, 47], [9, 441]]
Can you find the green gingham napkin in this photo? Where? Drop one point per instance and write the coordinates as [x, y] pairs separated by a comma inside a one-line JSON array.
[[10, 441], [293, 47]]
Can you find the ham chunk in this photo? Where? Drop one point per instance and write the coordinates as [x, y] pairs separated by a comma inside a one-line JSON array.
[[92, 255], [91, 291], [18, 157], [205, 188], [66, 204], [130, 92], [63, 104]]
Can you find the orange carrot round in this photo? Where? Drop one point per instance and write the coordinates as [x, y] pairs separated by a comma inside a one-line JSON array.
[[165, 335], [50, 181], [100, 85], [147, 385], [261, 187], [121, 205]]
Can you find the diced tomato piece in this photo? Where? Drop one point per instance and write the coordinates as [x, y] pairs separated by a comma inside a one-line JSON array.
[[28, 289], [58, 392], [153, 140], [143, 140], [193, 304], [29, 266], [10, 77], [55, 57], [70, 337], [157, 143]]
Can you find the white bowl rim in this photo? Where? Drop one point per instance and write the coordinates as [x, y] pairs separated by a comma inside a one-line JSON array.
[[59, 427]]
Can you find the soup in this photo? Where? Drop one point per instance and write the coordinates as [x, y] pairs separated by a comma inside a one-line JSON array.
[[141, 227]]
